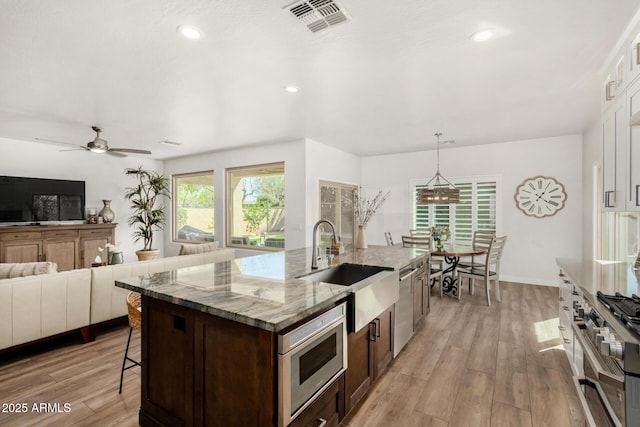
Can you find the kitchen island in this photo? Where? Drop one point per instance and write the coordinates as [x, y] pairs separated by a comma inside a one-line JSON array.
[[210, 333]]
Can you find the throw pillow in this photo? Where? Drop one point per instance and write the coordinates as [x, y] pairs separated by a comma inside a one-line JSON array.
[[11, 270], [190, 249]]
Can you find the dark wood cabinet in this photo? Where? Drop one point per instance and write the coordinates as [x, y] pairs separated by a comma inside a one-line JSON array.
[[383, 341], [327, 411], [359, 376], [200, 369], [421, 294], [69, 246], [370, 352]]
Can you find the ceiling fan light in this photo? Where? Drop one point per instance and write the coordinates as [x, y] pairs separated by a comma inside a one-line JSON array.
[[99, 150], [189, 32]]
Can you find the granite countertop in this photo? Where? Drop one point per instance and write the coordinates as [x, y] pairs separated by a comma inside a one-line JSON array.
[[263, 290], [606, 276]]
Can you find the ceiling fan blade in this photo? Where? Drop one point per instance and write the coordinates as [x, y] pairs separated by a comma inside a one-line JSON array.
[[76, 149], [53, 141], [112, 153], [130, 150]]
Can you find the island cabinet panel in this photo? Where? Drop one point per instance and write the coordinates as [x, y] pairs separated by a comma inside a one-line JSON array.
[[370, 352], [327, 409], [167, 364], [236, 373], [359, 374], [383, 341], [203, 370]]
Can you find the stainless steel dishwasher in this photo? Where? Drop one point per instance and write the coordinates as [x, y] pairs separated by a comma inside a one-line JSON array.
[[403, 328]]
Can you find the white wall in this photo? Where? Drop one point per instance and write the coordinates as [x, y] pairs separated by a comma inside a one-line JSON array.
[[325, 163], [533, 244], [291, 153], [306, 162], [103, 175]]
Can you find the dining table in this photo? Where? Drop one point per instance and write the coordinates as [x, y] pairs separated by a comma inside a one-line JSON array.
[[451, 253]]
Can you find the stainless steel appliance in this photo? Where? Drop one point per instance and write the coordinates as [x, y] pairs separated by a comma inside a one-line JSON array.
[[310, 357], [403, 321], [607, 330]]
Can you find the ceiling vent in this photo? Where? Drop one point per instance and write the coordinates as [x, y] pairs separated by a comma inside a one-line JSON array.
[[318, 14]]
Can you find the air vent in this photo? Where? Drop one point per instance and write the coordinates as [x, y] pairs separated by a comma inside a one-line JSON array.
[[318, 14]]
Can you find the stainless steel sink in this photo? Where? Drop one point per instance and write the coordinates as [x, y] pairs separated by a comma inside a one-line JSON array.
[[344, 274], [374, 289]]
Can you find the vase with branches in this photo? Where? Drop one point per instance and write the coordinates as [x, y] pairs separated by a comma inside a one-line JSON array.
[[148, 212], [364, 209]]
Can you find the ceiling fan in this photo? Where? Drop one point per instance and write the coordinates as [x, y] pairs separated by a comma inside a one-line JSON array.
[[99, 145]]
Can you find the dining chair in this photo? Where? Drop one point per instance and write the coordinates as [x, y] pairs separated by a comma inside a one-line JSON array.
[[420, 232], [488, 272], [388, 238], [435, 266], [134, 312], [481, 240]]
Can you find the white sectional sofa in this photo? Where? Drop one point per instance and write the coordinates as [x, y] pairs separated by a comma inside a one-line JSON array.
[[36, 307]]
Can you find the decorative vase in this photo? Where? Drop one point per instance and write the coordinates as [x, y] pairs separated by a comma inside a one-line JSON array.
[[117, 258], [106, 213], [361, 237], [439, 246], [148, 254]]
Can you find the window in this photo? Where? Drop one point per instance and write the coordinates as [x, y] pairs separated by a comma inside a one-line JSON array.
[[192, 202], [336, 205], [255, 206], [477, 209]]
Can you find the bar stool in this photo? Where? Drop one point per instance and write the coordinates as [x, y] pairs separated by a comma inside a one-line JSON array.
[[134, 310]]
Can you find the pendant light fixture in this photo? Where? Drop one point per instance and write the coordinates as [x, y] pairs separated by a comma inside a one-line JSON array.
[[438, 190]]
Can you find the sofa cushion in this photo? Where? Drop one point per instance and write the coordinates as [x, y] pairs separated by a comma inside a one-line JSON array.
[[190, 249], [11, 270]]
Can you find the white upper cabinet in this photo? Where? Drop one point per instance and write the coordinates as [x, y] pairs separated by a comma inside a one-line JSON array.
[[633, 107], [615, 130]]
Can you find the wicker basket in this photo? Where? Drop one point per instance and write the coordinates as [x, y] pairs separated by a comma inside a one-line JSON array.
[[134, 309]]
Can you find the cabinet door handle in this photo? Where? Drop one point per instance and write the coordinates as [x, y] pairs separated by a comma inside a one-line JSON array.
[[377, 320], [321, 422], [562, 328], [567, 341], [607, 199], [637, 195], [372, 336]]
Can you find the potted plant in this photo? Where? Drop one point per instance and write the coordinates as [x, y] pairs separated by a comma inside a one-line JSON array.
[[148, 213]]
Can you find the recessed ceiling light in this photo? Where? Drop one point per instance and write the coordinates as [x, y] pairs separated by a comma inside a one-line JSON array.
[[448, 142], [482, 35], [291, 89], [189, 32]]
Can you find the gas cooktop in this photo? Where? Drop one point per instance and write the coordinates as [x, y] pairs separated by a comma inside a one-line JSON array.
[[627, 309]]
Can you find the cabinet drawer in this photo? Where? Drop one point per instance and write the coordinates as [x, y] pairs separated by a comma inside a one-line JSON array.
[[327, 410], [94, 233], [60, 233], [21, 235]]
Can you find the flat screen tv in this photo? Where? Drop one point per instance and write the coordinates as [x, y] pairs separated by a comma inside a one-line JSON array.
[[38, 200]]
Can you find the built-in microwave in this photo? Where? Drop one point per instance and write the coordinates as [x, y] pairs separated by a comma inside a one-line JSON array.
[[310, 358]]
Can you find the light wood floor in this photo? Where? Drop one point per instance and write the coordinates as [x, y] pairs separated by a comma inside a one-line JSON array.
[[469, 365]]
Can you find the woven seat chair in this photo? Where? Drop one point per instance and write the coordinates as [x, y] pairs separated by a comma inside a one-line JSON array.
[[435, 270], [134, 312], [489, 271], [388, 238], [481, 240]]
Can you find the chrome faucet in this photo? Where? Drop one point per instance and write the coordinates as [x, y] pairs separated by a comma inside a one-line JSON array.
[[314, 250]]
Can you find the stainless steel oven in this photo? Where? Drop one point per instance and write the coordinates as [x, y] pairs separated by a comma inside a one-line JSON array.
[[309, 358]]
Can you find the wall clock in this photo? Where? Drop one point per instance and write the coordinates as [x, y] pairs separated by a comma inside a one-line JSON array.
[[540, 196]]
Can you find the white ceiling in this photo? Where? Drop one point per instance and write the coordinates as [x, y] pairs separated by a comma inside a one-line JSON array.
[[382, 82]]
